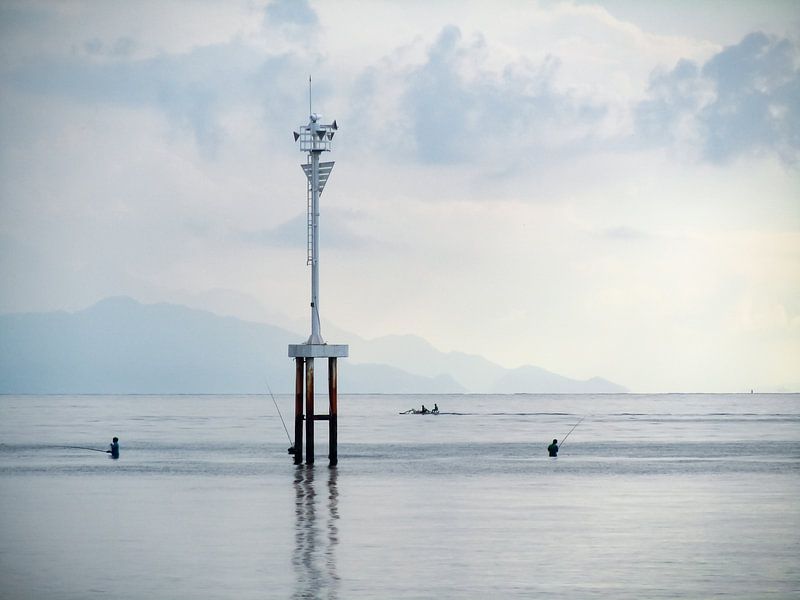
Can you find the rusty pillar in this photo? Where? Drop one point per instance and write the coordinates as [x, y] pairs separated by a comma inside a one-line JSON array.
[[298, 411], [309, 411], [333, 454]]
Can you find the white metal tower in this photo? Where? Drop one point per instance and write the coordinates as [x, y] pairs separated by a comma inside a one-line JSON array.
[[315, 138]]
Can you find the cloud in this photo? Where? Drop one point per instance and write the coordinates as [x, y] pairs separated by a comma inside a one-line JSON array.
[[439, 102], [758, 98], [15, 18], [123, 46], [743, 100], [291, 12], [464, 103], [193, 90], [675, 96]]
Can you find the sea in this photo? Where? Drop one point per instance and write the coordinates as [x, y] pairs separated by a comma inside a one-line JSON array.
[[690, 496]]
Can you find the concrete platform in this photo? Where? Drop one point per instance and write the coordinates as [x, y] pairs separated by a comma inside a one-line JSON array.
[[318, 350]]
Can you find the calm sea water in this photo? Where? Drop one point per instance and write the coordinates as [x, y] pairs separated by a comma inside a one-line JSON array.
[[652, 496]]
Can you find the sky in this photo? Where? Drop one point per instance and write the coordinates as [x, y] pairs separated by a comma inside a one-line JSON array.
[[605, 188]]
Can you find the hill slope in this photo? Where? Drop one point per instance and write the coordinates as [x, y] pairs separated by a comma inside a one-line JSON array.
[[119, 346]]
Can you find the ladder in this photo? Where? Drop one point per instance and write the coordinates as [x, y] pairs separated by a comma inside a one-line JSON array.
[[325, 169], [309, 224]]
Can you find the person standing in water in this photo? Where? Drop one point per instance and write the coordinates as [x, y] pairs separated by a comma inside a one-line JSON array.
[[552, 449], [113, 448]]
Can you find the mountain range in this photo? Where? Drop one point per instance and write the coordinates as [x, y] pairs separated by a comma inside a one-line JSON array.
[[121, 346]]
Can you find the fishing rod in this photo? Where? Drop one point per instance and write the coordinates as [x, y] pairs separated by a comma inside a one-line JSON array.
[[85, 448], [291, 443], [564, 439]]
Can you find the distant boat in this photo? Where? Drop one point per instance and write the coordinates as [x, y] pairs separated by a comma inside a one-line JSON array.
[[414, 411]]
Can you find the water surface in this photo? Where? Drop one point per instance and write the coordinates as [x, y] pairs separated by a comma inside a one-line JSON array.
[[667, 496]]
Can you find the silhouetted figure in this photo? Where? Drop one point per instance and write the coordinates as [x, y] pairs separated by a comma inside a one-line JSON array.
[[424, 411], [552, 449], [435, 409], [113, 448]]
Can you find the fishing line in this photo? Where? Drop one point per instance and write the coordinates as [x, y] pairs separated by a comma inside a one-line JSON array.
[[564, 439], [279, 412]]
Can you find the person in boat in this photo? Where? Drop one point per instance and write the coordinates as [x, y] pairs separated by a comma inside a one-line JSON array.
[[552, 449], [435, 409], [424, 410], [113, 448]]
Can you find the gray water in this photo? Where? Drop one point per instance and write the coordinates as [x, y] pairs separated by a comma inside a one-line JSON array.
[[652, 496]]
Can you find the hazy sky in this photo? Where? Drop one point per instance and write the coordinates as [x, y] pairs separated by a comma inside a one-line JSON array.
[[596, 188]]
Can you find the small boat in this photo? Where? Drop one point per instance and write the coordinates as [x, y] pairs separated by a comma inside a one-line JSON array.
[[414, 411]]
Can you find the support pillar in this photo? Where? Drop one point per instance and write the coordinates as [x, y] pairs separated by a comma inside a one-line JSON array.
[[304, 355], [298, 411], [309, 411], [333, 454]]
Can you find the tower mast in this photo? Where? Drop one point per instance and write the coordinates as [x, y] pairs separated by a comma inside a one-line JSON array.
[[315, 138]]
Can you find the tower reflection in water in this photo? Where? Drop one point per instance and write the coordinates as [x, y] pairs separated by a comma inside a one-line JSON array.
[[316, 532]]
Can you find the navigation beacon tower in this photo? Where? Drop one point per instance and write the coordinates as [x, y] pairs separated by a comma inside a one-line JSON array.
[[314, 138]]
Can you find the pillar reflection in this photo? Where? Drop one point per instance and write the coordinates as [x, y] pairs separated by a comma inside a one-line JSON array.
[[316, 533]]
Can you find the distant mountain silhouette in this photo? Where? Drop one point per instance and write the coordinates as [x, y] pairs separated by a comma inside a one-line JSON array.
[[477, 374], [120, 346], [539, 380], [416, 355]]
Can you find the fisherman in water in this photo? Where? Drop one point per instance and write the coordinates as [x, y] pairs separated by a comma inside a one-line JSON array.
[[552, 449], [113, 448]]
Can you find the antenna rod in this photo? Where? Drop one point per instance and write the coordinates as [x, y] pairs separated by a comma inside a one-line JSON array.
[[309, 95]]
